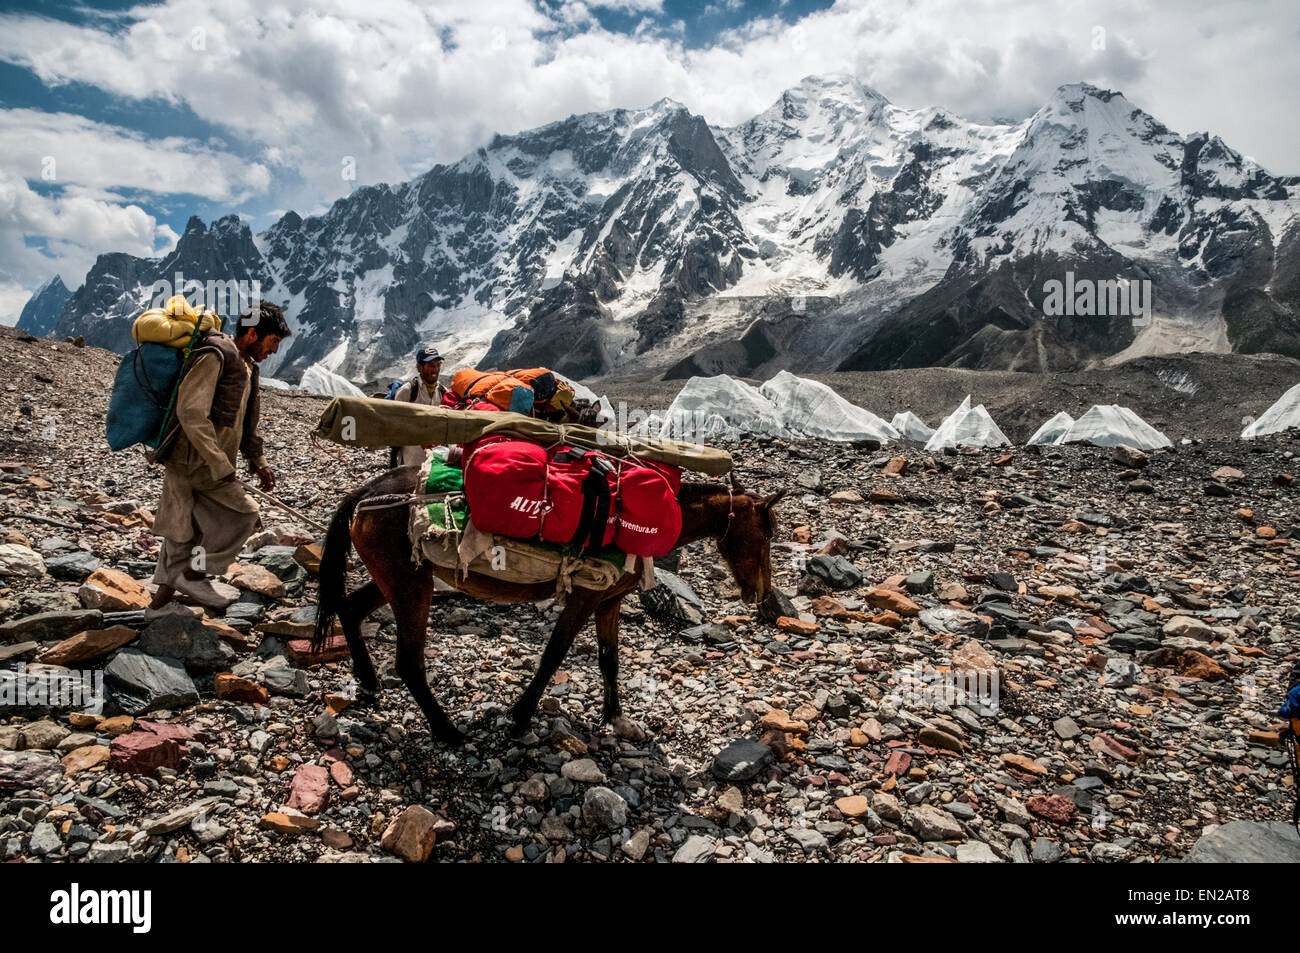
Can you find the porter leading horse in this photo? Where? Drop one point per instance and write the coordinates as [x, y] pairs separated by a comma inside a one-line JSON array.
[[740, 522]]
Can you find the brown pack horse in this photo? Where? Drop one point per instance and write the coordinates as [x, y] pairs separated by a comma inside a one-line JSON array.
[[740, 522]]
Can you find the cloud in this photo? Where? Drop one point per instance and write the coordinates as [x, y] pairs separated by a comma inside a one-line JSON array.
[[70, 230], [65, 148], [396, 86]]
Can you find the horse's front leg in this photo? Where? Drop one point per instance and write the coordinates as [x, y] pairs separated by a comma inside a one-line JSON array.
[[575, 615], [607, 647]]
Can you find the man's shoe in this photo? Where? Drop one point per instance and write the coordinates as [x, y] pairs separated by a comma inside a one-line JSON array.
[[168, 608], [207, 593]]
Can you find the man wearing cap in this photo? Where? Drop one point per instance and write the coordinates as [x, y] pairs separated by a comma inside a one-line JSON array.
[[424, 389]]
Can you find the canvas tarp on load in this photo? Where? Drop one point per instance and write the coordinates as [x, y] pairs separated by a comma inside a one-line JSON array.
[[811, 409], [372, 422], [1106, 425], [1283, 415], [967, 427], [1052, 429]]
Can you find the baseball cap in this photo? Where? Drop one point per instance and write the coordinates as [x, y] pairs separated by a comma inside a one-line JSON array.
[[426, 354]]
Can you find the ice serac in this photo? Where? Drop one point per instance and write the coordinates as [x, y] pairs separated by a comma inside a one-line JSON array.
[[40, 315], [1284, 414], [1106, 425], [319, 380], [1052, 428], [967, 427], [912, 427], [812, 409]]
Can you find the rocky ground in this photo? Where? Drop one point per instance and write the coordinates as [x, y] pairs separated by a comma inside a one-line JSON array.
[[1130, 622]]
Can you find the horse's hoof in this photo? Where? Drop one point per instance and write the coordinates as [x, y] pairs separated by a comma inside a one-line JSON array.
[[519, 726], [366, 699], [452, 737]]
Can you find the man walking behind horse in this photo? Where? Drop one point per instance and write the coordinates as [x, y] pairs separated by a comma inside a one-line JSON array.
[[205, 516], [423, 389]]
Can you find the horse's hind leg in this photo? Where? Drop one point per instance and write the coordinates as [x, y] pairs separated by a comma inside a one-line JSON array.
[[607, 647], [412, 614], [575, 615], [356, 607]]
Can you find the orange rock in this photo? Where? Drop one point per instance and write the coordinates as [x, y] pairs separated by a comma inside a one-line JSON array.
[[289, 822], [858, 738], [853, 806], [1194, 664], [299, 651], [897, 466], [827, 606], [231, 636], [85, 758], [1020, 762], [1269, 739], [885, 496], [891, 620], [1266, 532], [1246, 515], [1284, 479], [779, 720], [233, 688], [337, 703], [801, 534], [87, 645], [788, 624], [411, 834], [118, 725], [112, 590], [308, 556], [254, 578], [894, 601]]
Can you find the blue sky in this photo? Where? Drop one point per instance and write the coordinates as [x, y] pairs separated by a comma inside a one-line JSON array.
[[119, 121]]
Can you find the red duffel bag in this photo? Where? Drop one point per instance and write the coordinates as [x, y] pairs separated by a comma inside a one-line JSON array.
[[518, 488], [649, 516]]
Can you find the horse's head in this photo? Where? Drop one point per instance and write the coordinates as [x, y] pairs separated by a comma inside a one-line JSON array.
[[746, 542]]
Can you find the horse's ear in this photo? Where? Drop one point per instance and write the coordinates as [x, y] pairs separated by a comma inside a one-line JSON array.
[[768, 502], [735, 484]]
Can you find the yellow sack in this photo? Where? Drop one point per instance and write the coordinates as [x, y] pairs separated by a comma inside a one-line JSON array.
[[173, 324]]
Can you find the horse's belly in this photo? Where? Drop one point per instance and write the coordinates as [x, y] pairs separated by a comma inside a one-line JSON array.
[[495, 590]]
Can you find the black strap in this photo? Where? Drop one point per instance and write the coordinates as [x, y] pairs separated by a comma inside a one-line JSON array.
[[596, 502]]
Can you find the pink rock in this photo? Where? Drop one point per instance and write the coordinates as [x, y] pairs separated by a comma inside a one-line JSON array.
[[310, 791], [341, 772], [143, 752], [898, 763]]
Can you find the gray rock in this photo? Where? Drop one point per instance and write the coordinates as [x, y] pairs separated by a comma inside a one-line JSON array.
[[583, 770], [1066, 729], [281, 678], [977, 852], [921, 581], [836, 571], [74, 566], [178, 817], [1045, 851], [185, 637], [696, 850], [1121, 672], [1247, 842], [45, 840], [930, 823], [741, 760], [141, 683], [672, 599], [114, 853], [42, 735], [956, 621], [810, 840], [44, 626], [603, 808]]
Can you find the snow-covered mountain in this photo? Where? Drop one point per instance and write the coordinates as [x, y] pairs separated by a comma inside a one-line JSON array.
[[834, 229], [41, 313]]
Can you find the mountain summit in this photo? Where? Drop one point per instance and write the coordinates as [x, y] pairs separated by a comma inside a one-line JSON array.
[[833, 229]]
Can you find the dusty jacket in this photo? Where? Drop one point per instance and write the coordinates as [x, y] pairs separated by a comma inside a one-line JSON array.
[[227, 399]]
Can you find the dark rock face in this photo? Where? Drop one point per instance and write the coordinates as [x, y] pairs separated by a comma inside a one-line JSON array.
[[41, 313]]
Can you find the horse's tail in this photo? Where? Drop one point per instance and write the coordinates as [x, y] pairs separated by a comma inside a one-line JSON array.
[[334, 567]]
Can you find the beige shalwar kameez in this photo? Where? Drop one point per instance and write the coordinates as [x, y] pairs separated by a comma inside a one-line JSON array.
[[203, 522]]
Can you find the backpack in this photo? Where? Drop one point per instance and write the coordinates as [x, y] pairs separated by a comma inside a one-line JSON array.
[[498, 388], [393, 388], [149, 378]]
